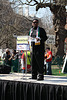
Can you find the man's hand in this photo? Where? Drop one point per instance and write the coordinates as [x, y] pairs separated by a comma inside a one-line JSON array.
[[38, 39]]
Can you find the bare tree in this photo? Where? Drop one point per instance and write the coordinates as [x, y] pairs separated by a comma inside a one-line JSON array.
[[58, 9], [40, 2], [11, 23]]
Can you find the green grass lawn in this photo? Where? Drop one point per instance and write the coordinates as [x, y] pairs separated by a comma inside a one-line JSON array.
[[57, 71]]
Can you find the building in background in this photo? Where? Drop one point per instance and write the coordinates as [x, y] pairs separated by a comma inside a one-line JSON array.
[[20, 10]]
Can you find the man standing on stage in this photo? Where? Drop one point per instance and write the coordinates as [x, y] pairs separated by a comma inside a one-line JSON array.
[[40, 37]]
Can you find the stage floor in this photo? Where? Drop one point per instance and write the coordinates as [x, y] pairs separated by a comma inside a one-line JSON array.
[[48, 79]]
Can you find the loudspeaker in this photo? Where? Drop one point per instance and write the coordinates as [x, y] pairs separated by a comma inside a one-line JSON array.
[[5, 69]]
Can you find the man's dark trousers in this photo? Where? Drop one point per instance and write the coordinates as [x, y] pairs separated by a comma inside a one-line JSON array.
[[37, 61]]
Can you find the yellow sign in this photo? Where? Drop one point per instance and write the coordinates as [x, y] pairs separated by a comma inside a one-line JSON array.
[[22, 40]]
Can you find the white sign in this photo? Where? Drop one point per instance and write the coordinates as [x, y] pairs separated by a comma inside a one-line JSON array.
[[23, 47], [22, 43], [51, 39]]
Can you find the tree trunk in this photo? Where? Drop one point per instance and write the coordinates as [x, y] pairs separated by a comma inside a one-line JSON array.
[[60, 49], [59, 23]]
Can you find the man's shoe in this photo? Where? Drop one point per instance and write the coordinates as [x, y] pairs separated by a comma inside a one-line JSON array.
[[39, 79], [34, 76]]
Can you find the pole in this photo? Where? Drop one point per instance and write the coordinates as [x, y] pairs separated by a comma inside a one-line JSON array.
[[50, 47], [26, 63]]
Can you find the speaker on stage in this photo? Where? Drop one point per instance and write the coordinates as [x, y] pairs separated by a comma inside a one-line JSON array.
[[5, 69]]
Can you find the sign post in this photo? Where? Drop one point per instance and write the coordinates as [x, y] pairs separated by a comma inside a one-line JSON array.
[[50, 40], [22, 44]]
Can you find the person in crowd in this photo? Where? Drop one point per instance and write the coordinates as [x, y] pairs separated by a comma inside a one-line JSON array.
[[48, 58], [4, 54], [39, 35], [28, 61], [22, 62], [15, 61], [6, 57], [0, 58]]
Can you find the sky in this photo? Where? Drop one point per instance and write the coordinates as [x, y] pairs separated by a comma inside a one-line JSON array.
[[32, 10], [44, 14]]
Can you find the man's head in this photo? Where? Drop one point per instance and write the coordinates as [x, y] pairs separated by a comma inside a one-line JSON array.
[[47, 49], [35, 23], [14, 51], [7, 50]]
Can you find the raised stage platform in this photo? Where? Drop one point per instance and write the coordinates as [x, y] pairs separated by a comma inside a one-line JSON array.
[[18, 86]]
